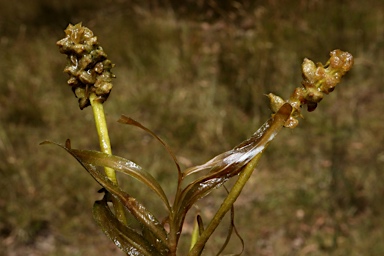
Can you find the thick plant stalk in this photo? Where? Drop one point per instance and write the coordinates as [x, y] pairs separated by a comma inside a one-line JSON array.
[[102, 132], [105, 147], [91, 81], [225, 206]]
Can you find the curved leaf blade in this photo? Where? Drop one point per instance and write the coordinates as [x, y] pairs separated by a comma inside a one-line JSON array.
[[230, 163], [124, 166], [127, 239], [117, 163], [130, 121], [248, 149], [138, 211]]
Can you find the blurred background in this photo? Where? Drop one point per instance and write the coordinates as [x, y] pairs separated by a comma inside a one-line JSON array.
[[195, 72]]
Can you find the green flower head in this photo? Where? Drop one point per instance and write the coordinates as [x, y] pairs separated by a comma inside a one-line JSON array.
[[88, 65]]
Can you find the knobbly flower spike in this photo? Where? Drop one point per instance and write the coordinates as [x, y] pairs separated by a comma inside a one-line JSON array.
[[317, 81], [88, 65], [91, 81]]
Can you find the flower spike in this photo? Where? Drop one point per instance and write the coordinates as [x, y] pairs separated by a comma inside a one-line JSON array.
[[88, 65], [318, 80]]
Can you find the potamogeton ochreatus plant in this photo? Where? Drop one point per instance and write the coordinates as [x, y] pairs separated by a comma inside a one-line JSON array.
[[90, 79]]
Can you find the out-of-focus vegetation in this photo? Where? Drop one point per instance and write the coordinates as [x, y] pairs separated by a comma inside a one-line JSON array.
[[195, 73]]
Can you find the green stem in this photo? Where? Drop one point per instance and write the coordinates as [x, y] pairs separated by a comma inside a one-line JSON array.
[[272, 128], [102, 131], [105, 147], [225, 206]]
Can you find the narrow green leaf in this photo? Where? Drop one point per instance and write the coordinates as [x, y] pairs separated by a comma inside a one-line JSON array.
[[245, 151], [127, 120], [122, 165], [127, 239], [138, 211], [266, 135], [145, 218], [229, 164], [117, 163], [154, 241], [200, 224], [198, 228]]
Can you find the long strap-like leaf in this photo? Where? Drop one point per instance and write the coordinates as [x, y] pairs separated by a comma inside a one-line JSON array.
[[141, 214], [264, 136], [122, 165], [127, 239]]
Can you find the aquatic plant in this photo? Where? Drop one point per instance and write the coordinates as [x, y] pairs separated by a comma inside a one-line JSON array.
[[91, 81]]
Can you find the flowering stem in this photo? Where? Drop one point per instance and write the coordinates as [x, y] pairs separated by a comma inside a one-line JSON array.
[[267, 134], [105, 147], [225, 206], [102, 131]]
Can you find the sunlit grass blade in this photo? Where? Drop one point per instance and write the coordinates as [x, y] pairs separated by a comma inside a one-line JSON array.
[[126, 238]]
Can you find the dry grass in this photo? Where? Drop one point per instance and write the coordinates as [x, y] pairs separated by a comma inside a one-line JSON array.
[[197, 80]]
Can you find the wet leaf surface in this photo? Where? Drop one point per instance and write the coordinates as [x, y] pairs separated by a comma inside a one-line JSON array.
[[126, 238], [147, 220], [228, 164]]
